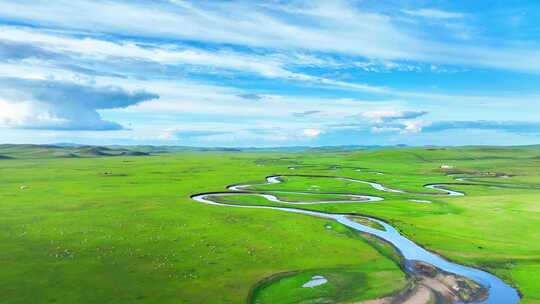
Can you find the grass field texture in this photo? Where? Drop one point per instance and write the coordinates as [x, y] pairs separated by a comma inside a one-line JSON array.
[[93, 229]]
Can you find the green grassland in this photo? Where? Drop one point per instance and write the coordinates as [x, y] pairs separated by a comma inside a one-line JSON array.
[[123, 229]]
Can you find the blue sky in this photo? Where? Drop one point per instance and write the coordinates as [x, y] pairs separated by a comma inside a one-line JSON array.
[[270, 73]]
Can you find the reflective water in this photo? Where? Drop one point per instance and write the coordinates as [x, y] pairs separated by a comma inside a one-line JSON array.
[[499, 292]]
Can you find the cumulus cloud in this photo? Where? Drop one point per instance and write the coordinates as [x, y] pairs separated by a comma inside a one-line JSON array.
[[223, 67], [400, 121], [413, 126], [57, 105], [311, 132], [403, 127]]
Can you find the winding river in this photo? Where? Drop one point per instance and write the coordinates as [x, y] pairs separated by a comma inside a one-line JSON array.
[[499, 292]]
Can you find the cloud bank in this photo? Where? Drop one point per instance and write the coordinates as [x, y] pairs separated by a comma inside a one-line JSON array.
[[54, 105], [317, 72], [517, 127], [320, 26]]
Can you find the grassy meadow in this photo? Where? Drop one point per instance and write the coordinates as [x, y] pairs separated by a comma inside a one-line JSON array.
[[82, 227]]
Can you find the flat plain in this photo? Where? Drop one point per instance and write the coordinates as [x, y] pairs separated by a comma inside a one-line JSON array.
[[91, 226]]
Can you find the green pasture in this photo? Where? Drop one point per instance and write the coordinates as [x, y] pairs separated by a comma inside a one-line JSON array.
[[123, 229]]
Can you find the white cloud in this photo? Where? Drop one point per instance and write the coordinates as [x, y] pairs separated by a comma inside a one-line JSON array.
[[270, 65], [413, 126], [326, 26], [380, 116], [402, 127], [226, 22], [377, 129], [54, 105], [433, 13], [267, 66], [391, 120], [335, 35], [25, 113], [311, 132]]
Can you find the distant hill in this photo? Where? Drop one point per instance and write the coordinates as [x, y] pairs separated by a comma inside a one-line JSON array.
[[71, 145], [8, 151], [71, 150]]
